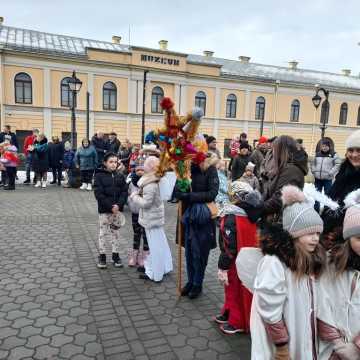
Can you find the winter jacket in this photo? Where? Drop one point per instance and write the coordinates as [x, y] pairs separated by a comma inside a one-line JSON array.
[[114, 146], [86, 158], [40, 156], [11, 136], [325, 166], [56, 154], [29, 140], [68, 160], [101, 146], [9, 157], [251, 180], [133, 188], [110, 189], [151, 212], [257, 157], [222, 196], [238, 166], [293, 173]]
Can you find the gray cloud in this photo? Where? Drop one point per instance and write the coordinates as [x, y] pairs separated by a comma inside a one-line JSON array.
[[320, 34]]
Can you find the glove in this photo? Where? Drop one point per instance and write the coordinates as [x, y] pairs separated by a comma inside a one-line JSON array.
[[282, 352], [347, 351], [181, 195], [223, 277]]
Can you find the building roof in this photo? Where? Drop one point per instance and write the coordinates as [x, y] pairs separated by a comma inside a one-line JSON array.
[[40, 42]]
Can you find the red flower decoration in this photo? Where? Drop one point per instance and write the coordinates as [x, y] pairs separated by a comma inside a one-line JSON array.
[[166, 103], [199, 158]]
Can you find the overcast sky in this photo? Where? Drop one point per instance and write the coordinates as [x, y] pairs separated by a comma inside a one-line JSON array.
[[320, 34]]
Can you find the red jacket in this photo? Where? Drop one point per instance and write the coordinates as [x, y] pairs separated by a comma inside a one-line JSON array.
[[29, 140]]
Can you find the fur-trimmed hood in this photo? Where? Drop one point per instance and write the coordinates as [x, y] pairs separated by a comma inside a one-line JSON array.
[[147, 179], [211, 160]]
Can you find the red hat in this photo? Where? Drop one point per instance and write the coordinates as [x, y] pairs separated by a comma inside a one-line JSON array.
[[263, 140]]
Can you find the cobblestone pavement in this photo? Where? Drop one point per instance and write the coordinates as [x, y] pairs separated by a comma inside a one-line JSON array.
[[55, 303]]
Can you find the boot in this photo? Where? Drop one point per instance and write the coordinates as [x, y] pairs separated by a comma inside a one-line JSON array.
[[116, 260], [89, 188], [132, 257], [102, 261], [186, 289], [43, 184], [142, 257], [195, 292], [27, 181], [38, 184], [83, 186]]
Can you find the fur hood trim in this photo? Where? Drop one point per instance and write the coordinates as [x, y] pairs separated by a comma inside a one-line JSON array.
[[352, 199], [147, 179], [211, 160]]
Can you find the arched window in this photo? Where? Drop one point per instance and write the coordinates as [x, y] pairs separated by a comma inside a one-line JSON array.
[[66, 93], [358, 117], [343, 114], [295, 111], [260, 108], [23, 89], [156, 97], [325, 110], [200, 100], [109, 96], [231, 102]]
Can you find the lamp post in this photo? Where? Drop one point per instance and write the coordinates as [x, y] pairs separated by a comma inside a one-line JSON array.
[[143, 109], [74, 86], [317, 101]]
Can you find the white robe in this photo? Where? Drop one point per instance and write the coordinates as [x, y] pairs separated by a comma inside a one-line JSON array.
[[279, 295], [337, 307]]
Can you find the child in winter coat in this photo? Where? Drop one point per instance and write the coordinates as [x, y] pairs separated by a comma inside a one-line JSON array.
[[284, 308], [339, 291], [136, 257], [68, 162], [222, 196], [9, 159], [237, 230], [110, 193], [152, 218], [86, 159], [40, 159], [249, 176]]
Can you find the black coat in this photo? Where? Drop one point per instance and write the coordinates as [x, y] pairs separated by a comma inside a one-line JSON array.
[[13, 139], [101, 146], [114, 146], [40, 158], [204, 189], [56, 154], [238, 166], [110, 189]]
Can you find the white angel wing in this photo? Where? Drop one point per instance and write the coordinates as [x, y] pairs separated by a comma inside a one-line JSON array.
[[247, 262], [313, 195], [166, 185]]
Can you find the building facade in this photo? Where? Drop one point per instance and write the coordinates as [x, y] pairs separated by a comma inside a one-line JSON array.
[[236, 95]]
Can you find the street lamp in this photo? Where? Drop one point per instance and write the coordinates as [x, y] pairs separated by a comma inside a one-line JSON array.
[[74, 86], [316, 100]]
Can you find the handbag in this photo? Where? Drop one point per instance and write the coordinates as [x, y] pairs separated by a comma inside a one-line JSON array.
[[214, 211]]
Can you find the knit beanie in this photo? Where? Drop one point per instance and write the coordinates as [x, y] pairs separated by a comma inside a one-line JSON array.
[[299, 215], [263, 140], [210, 139], [353, 141], [250, 166], [351, 225], [244, 145]]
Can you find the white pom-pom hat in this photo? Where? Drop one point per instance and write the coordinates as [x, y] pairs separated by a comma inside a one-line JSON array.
[[299, 215], [353, 141], [351, 225]]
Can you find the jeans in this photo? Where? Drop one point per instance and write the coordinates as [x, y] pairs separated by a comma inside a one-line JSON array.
[[195, 263], [57, 174], [28, 161], [86, 176], [320, 185]]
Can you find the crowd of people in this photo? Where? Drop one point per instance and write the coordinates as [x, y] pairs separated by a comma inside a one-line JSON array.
[[289, 257]]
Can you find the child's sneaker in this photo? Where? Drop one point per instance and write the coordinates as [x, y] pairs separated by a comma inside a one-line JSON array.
[[89, 188], [132, 257], [229, 329], [116, 260], [102, 261], [83, 186], [222, 318]]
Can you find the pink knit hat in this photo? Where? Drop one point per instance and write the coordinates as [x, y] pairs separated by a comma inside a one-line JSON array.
[[352, 216]]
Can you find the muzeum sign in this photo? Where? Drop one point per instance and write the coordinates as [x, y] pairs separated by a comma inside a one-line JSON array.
[[160, 60]]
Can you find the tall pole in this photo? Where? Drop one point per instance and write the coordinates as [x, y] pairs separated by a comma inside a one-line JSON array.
[[143, 109], [73, 121], [87, 115], [261, 126]]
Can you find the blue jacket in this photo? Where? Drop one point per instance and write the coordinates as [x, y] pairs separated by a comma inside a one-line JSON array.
[[68, 162], [86, 158]]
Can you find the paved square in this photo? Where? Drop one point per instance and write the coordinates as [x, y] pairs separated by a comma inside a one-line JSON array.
[[55, 303]]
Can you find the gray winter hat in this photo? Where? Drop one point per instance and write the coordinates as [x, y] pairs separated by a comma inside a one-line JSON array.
[[299, 215]]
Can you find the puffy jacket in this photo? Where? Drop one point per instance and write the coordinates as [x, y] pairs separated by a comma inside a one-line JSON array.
[[133, 188], [151, 212], [101, 146], [68, 161], [40, 157], [86, 158], [325, 166], [56, 154], [110, 189]]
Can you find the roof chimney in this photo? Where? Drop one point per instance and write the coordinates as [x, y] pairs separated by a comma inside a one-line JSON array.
[[163, 44], [293, 64], [116, 39], [1, 20], [346, 72], [244, 59], [208, 53]]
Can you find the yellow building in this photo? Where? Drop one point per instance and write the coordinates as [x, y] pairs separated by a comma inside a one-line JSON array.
[[235, 94]]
